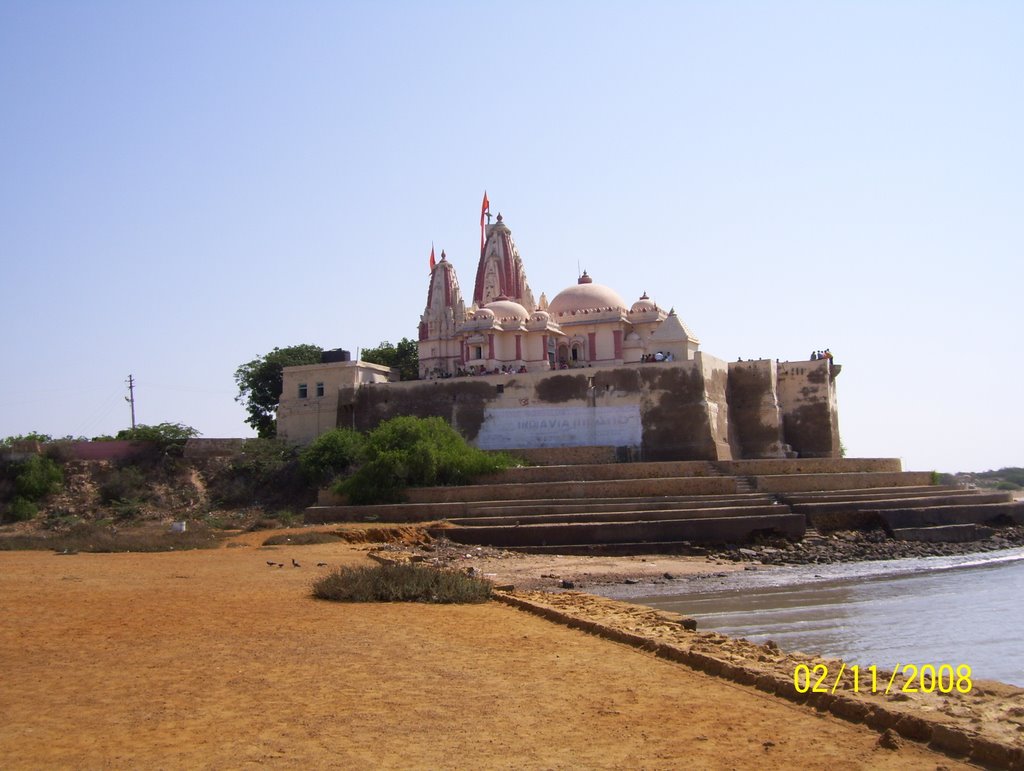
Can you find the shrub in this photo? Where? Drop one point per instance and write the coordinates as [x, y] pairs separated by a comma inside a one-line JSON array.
[[31, 436], [37, 477], [21, 509], [414, 452], [332, 454], [266, 474], [123, 484], [401, 583]]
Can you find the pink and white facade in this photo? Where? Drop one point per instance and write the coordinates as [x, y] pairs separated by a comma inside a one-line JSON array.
[[585, 325]]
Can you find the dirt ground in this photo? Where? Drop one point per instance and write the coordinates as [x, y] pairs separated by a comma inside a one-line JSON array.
[[215, 659]]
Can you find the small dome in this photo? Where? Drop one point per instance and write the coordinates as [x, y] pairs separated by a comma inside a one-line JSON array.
[[483, 314], [539, 315], [505, 309], [644, 304], [586, 296]]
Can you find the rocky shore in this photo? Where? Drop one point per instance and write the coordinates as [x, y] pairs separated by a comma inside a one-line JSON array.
[[552, 572], [856, 546]]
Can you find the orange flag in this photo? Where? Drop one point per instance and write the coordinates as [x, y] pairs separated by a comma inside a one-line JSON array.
[[432, 262]]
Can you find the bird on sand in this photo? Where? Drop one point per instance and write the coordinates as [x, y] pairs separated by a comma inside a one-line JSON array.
[[295, 564]]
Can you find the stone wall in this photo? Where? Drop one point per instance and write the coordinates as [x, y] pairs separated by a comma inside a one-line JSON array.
[[701, 409], [807, 399]]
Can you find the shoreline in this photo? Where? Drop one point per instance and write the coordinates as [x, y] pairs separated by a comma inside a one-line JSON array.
[[555, 572], [162, 670]]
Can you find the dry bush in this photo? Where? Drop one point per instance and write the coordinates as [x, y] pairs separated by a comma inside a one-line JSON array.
[[401, 583]]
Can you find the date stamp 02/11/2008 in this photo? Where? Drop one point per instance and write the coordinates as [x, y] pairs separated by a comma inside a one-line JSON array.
[[904, 678]]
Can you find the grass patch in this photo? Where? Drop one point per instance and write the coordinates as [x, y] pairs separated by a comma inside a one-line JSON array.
[[401, 583], [302, 539], [91, 538]]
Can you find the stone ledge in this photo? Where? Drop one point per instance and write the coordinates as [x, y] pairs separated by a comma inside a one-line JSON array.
[[874, 712]]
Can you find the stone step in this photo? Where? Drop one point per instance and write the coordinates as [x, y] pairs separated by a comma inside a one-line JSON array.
[[961, 514], [791, 483], [536, 508], [872, 493], [621, 516], [738, 529], [425, 512], [610, 488], [944, 533], [767, 466], [889, 502], [656, 469], [640, 470]]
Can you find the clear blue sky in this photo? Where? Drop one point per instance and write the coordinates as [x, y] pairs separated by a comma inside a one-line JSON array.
[[185, 185]]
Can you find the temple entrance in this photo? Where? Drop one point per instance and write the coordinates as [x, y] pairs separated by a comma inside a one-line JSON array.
[[563, 355]]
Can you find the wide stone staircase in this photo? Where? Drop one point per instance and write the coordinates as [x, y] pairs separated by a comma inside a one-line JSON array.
[[634, 508]]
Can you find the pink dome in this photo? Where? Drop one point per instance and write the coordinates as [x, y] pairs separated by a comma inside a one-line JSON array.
[[505, 309], [586, 296], [644, 304]]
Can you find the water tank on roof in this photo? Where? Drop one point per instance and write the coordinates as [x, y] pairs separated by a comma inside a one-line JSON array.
[[337, 354]]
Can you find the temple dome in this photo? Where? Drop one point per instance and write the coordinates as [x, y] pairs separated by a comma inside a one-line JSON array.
[[586, 296], [505, 309], [644, 304]]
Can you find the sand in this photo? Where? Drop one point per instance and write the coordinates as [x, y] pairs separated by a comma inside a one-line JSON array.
[[214, 659]]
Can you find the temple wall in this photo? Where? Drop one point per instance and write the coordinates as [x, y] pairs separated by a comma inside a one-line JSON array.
[[702, 409]]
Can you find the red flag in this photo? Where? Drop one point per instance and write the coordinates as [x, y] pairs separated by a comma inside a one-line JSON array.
[[484, 208], [432, 263]]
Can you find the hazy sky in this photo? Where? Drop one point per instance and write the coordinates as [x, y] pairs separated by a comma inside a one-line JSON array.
[[185, 185]]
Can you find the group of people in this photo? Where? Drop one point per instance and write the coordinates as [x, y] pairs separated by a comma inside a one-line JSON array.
[[658, 356], [826, 354]]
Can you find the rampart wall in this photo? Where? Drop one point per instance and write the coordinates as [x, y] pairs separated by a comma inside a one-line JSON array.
[[699, 409]]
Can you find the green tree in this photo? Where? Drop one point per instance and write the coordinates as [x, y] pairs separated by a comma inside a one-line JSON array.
[[260, 380], [163, 434], [331, 454], [405, 357], [31, 436]]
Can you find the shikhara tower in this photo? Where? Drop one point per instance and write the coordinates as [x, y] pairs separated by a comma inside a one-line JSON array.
[[505, 329]]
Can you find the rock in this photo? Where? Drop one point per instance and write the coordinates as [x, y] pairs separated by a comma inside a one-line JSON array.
[[748, 552], [669, 576], [568, 584], [890, 740], [630, 581]]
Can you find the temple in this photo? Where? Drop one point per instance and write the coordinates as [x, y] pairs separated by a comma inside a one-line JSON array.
[[581, 377], [585, 325]]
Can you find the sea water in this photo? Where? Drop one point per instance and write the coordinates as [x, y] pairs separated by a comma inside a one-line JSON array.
[[967, 609]]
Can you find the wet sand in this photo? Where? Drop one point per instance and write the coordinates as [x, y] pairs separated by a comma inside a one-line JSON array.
[[214, 659]]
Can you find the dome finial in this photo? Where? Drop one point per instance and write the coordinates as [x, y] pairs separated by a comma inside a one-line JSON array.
[[585, 279]]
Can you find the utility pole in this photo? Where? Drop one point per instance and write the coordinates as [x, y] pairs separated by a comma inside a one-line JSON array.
[[131, 398]]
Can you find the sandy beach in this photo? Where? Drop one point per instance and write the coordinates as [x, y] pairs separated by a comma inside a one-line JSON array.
[[215, 659]]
